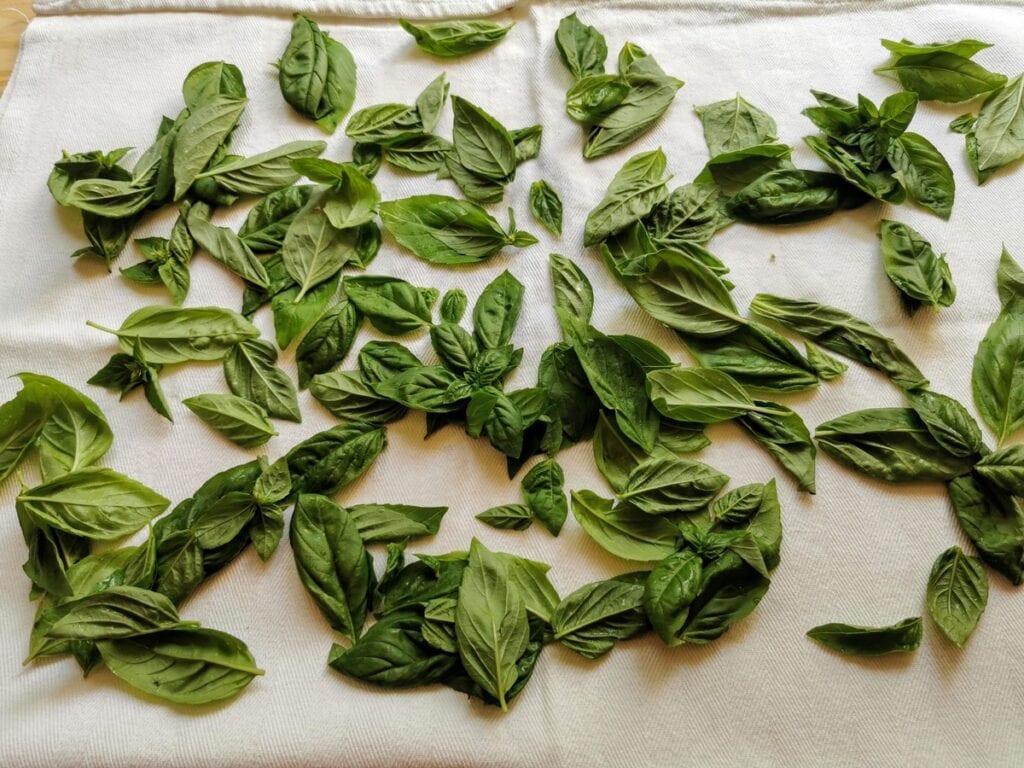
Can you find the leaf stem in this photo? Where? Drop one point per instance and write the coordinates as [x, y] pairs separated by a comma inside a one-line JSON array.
[[99, 327]]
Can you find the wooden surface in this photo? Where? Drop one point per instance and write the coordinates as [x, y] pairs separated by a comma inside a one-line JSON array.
[[11, 26]]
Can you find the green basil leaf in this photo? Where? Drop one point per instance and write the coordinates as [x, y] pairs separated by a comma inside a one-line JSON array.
[[618, 381], [582, 48], [994, 522], [546, 206], [1000, 127], [332, 459], [393, 654], [782, 433], [481, 144], [591, 98], [853, 640], [266, 172], [692, 213], [381, 360], [392, 306], [314, 250], [328, 341], [455, 37], [116, 612], [544, 494], [592, 618], [444, 230], [966, 48], [490, 623], [293, 316], [345, 395], [109, 198], [85, 165], [226, 247], [730, 591], [634, 190], [302, 71], [922, 169], [386, 124], [512, 517], [943, 76], [841, 332], [251, 372], [242, 422], [948, 421], [395, 522], [168, 335], [789, 195], [957, 594], [340, 87], [891, 444], [616, 457], [998, 371], [202, 133], [497, 310], [93, 502], [352, 199], [878, 184], [701, 396], [420, 154], [824, 365], [183, 666], [332, 562], [179, 566], [225, 519], [21, 422], [735, 124], [667, 485], [671, 587], [624, 530], [527, 142], [1004, 468], [107, 237], [212, 78], [574, 297], [738, 505], [268, 220], [1009, 279]]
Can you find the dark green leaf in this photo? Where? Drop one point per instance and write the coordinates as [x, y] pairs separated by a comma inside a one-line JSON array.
[[957, 594], [852, 640]]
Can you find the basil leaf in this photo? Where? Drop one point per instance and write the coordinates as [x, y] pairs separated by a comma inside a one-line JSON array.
[[328, 341], [93, 502], [957, 594], [482, 145], [85, 165], [825, 366], [266, 172], [392, 306], [420, 154], [251, 373], [666, 484], [624, 530], [340, 87], [701, 396], [922, 169], [116, 612], [634, 190], [512, 517], [594, 96], [891, 444], [912, 266], [381, 360], [395, 522], [107, 237], [21, 422], [966, 48], [210, 79], [544, 494], [682, 293], [168, 335], [332, 562], [444, 230], [843, 333], [345, 395], [735, 124], [453, 305], [497, 310], [183, 666], [782, 433], [1000, 127], [651, 93], [294, 316], [242, 422], [1009, 278], [393, 654], [692, 213], [385, 124], [317, 75], [582, 48], [993, 521], [455, 37], [527, 142], [546, 206], [789, 195], [672, 585], [998, 369], [352, 198], [490, 623], [226, 247], [592, 618], [857, 171], [1004, 468], [268, 220], [948, 421], [852, 640], [615, 456], [314, 250], [202, 133], [738, 505], [111, 199], [730, 591], [335, 457], [574, 297], [943, 76]]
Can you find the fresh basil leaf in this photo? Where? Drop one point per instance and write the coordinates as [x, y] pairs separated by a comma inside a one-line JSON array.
[[226, 247], [853, 640], [544, 494], [314, 250], [546, 206], [634, 190], [328, 341], [497, 310], [527, 142], [317, 75], [782, 433], [212, 78], [395, 522], [109, 198], [730, 591], [789, 195], [616, 457], [93, 502], [168, 335], [994, 522], [922, 169], [21, 422], [116, 612], [592, 618], [345, 395], [385, 124], [943, 76], [201, 135], [591, 98], [1004, 468], [824, 365], [242, 422], [891, 444], [966, 48], [692, 213], [574, 297], [490, 623], [251, 373], [332, 562], [878, 184], [223, 520], [735, 124], [957, 594], [268, 220], [392, 306], [998, 370], [351, 199], [266, 172], [701, 396], [381, 360], [738, 505], [512, 517], [1009, 279], [624, 530], [999, 130], [455, 37], [293, 316], [340, 87], [183, 666], [618, 381], [482, 145], [667, 485], [673, 584], [582, 48], [948, 421], [335, 457], [841, 332], [420, 154]]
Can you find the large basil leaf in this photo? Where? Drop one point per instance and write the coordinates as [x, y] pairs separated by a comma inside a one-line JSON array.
[[735, 124], [730, 590], [1004, 468], [490, 623], [789, 195], [93, 502], [183, 666], [692, 213], [266, 172], [481, 144], [911, 264], [200, 137], [226, 247], [701, 396], [957, 594], [994, 521], [314, 250], [268, 220], [582, 48], [634, 190], [999, 131], [891, 444], [113, 613], [335, 457], [782, 433], [667, 485], [672, 585], [922, 169], [497, 310], [346, 395], [328, 341], [997, 378], [592, 618], [943, 76], [853, 640], [332, 562], [395, 522], [251, 371], [241, 421], [317, 75], [624, 530], [392, 306], [757, 357], [949, 422], [21, 422]]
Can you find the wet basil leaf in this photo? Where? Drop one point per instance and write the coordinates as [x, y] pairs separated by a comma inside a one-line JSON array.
[[200, 137], [328, 341], [999, 130], [634, 190], [782, 433], [332, 459], [673, 584], [592, 618], [668, 485], [348, 397], [994, 522], [852, 640], [317, 75], [268, 221]]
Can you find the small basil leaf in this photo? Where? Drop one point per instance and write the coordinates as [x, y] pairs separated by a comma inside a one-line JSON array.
[[852, 640]]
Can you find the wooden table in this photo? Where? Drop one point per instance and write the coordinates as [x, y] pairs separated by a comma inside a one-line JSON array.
[[11, 27]]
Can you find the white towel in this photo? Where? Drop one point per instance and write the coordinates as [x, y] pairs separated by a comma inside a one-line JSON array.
[[859, 551]]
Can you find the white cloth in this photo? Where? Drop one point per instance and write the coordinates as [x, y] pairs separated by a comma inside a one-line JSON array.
[[859, 551]]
